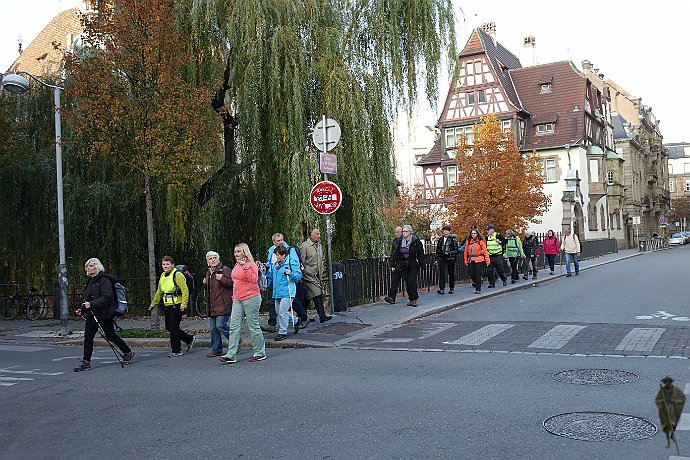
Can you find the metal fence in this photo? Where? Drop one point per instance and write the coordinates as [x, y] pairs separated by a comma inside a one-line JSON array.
[[653, 244]]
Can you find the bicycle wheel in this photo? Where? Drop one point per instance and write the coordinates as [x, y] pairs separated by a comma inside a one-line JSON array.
[[201, 304], [10, 308], [35, 306]]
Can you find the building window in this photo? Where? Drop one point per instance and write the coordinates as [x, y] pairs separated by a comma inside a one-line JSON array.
[[470, 134], [481, 96], [451, 175], [453, 135], [593, 171], [609, 177], [505, 126], [670, 185], [477, 67], [687, 185], [545, 128], [470, 98], [686, 168], [550, 170], [545, 88], [670, 168]]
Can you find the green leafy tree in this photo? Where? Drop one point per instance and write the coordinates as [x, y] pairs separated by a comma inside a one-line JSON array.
[[135, 103]]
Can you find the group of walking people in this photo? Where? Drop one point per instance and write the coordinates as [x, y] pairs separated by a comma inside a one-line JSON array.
[[233, 294]]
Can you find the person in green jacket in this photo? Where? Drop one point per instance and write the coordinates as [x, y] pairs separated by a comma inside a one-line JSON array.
[[514, 253], [172, 289]]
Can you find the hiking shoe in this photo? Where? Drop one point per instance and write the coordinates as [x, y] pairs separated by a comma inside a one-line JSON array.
[[492, 285], [534, 277], [550, 273], [213, 354], [280, 337], [191, 344], [226, 360], [477, 291], [325, 318], [304, 322], [390, 300], [577, 273], [269, 328], [451, 291], [568, 275], [256, 359], [297, 325], [84, 365], [505, 282], [175, 355], [440, 291], [128, 357]]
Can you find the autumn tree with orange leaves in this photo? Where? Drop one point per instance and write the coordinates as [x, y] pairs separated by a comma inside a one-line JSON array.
[[131, 105], [496, 184], [408, 208]]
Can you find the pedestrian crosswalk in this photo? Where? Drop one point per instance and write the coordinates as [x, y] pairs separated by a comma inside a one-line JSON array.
[[531, 337]]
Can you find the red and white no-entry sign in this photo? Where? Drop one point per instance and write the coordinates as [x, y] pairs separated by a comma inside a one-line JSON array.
[[325, 197]]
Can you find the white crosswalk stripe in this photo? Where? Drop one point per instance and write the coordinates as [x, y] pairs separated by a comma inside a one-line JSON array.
[[641, 339], [428, 330], [9, 381], [557, 337], [481, 335]]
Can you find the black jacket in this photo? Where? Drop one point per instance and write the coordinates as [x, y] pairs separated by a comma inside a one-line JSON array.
[[530, 246], [100, 293], [451, 249], [416, 259]]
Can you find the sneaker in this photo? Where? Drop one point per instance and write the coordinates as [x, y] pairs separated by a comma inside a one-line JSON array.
[[280, 337], [410, 303], [492, 285], [577, 273], [513, 281], [440, 291], [305, 322], [256, 359], [550, 273], [213, 354], [269, 328], [226, 360], [414, 303], [297, 325], [191, 344], [568, 275], [390, 300], [128, 357], [534, 277], [176, 355], [477, 291], [84, 365], [451, 291], [505, 282], [325, 318], [525, 277]]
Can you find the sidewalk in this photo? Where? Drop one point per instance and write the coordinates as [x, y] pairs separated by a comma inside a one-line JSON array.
[[357, 323]]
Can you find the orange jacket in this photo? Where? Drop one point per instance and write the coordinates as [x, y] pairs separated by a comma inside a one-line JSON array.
[[475, 251]]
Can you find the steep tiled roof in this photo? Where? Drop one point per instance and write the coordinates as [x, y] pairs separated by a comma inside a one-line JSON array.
[[502, 61], [41, 57], [436, 155], [568, 87]]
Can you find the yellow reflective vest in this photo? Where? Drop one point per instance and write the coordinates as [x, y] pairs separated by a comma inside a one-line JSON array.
[[166, 290]]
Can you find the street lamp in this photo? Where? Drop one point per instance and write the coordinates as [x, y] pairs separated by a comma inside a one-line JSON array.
[[16, 83]]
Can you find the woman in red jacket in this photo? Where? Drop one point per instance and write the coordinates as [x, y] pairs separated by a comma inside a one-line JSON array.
[[552, 247], [476, 257]]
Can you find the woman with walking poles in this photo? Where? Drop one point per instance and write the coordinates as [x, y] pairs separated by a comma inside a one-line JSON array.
[[98, 309]]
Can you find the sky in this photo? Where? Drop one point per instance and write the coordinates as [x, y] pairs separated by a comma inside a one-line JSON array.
[[639, 45]]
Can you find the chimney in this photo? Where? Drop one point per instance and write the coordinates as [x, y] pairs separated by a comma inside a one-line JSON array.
[[490, 29], [586, 66], [529, 49]]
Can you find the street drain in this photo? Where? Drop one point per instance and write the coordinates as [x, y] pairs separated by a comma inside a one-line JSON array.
[[595, 377], [339, 328], [600, 426]]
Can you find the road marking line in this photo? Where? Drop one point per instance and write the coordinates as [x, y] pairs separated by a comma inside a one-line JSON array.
[[482, 335], [641, 339], [13, 379], [397, 340], [26, 349], [3, 384], [428, 330], [32, 372], [557, 337], [675, 457], [684, 423]]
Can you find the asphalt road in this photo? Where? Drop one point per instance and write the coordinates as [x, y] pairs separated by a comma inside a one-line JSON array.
[[370, 401]]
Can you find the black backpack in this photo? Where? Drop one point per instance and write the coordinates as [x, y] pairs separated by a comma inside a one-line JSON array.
[[299, 257]]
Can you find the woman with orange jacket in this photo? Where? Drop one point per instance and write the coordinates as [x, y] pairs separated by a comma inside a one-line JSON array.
[[476, 257]]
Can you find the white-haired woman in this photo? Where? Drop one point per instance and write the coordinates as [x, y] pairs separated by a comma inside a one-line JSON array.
[[408, 258], [246, 300], [99, 304]]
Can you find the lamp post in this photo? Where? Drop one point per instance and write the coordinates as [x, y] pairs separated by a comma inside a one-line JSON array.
[[16, 83]]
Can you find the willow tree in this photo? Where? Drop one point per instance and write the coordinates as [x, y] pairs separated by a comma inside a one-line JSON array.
[[287, 62], [131, 105], [497, 184]]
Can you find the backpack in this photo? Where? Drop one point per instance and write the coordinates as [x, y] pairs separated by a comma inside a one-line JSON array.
[[299, 257], [120, 295]]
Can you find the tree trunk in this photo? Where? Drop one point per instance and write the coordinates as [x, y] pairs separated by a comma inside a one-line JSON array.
[[150, 237]]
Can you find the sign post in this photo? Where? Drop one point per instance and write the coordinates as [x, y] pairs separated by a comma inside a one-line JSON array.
[[326, 136]]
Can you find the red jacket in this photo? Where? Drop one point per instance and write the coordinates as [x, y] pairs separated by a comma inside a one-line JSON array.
[[551, 245], [475, 251]]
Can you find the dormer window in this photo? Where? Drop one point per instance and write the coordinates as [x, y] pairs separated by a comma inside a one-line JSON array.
[[545, 88], [545, 128]]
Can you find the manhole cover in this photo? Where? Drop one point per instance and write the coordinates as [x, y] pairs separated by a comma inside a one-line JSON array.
[[595, 376], [600, 426], [339, 328]]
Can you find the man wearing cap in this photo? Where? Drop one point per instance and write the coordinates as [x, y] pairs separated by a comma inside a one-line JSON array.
[[670, 401], [446, 253], [495, 242]]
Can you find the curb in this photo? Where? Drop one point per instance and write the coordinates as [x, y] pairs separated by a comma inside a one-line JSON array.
[[200, 343]]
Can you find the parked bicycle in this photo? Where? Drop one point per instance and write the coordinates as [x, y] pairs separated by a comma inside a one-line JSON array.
[[32, 304]]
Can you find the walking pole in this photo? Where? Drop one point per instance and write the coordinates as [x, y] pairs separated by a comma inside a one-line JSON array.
[[100, 331], [292, 311], [673, 428]]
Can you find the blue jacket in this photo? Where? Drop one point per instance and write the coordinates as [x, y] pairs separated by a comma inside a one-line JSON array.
[[276, 277], [270, 257]]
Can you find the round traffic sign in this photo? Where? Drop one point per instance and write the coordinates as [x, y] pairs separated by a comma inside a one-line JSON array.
[[326, 134], [662, 221], [325, 197]]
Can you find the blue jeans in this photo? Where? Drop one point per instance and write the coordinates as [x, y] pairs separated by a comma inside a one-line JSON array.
[[250, 309], [284, 315], [573, 257], [219, 325]]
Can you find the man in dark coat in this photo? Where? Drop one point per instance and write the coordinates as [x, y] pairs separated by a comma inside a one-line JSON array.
[[670, 401], [396, 276], [446, 253]]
